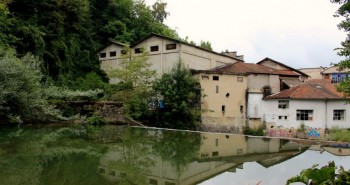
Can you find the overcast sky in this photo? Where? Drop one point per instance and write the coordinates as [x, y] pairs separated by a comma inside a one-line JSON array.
[[298, 33]]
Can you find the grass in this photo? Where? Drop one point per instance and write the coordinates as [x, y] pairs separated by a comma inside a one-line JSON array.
[[342, 135]]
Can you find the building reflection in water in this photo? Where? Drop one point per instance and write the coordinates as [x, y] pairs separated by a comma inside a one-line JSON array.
[[165, 157]]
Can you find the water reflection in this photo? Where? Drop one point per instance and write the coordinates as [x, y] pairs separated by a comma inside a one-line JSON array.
[[166, 157], [124, 155]]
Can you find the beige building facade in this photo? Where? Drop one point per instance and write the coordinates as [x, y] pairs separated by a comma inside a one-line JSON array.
[[223, 99], [164, 52]]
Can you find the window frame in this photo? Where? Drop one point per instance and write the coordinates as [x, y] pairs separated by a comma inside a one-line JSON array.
[[283, 104], [152, 48], [138, 50], [340, 116], [216, 78], [103, 55], [113, 54], [304, 115], [170, 46]]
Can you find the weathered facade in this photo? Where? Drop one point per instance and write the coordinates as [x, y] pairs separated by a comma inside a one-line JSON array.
[[163, 53], [315, 104], [223, 99]]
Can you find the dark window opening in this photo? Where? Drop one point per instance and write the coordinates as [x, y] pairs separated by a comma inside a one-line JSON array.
[[338, 114], [170, 46], [223, 108], [214, 154], [113, 54], [154, 48], [241, 108], [217, 142], [138, 50], [305, 114], [215, 77], [153, 182], [103, 55], [283, 104], [217, 89], [123, 52]]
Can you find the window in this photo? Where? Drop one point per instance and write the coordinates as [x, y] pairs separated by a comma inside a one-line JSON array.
[[214, 154], [170, 46], [123, 52], [217, 89], [138, 50], [153, 182], [239, 79], [103, 55], [282, 117], [338, 114], [241, 108], [283, 104], [304, 115], [215, 78], [112, 173], [223, 108], [217, 142], [112, 53], [154, 48]]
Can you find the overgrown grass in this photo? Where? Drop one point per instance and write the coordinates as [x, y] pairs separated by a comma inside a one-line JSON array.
[[258, 131], [342, 135]]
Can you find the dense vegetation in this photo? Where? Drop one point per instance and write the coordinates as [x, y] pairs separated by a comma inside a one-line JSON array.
[[324, 175], [66, 34], [48, 55], [344, 51]]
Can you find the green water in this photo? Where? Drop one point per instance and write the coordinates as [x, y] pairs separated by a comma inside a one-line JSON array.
[[127, 155]]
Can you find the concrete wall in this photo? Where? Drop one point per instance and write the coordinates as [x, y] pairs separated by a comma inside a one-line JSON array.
[[256, 82], [254, 105], [109, 63], [314, 73], [322, 114], [227, 92]]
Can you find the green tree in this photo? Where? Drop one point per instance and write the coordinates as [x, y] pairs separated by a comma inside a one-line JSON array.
[[134, 74], [206, 45], [21, 96], [344, 50], [181, 93]]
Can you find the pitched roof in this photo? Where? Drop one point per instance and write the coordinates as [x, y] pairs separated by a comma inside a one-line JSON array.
[[109, 43], [279, 63], [334, 69], [183, 42], [319, 89], [250, 68]]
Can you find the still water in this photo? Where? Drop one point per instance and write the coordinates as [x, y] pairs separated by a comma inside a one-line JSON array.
[[138, 156]]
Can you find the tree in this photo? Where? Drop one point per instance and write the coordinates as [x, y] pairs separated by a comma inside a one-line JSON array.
[[206, 45], [181, 93], [21, 97], [344, 51], [136, 77]]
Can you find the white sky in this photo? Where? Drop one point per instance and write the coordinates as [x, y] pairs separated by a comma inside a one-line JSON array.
[[298, 33]]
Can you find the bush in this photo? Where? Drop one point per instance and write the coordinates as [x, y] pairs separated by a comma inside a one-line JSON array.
[[22, 96], [258, 131]]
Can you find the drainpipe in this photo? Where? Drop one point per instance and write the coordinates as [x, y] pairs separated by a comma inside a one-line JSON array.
[[326, 113], [161, 58]]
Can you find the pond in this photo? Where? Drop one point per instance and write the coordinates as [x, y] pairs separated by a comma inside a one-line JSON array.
[[132, 155]]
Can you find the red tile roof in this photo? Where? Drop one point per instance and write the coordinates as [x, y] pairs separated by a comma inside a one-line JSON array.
[[250, 68], [314, 89]]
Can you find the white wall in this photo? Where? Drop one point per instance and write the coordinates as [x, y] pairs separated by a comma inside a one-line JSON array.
[[254, 105], [272, 112]]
